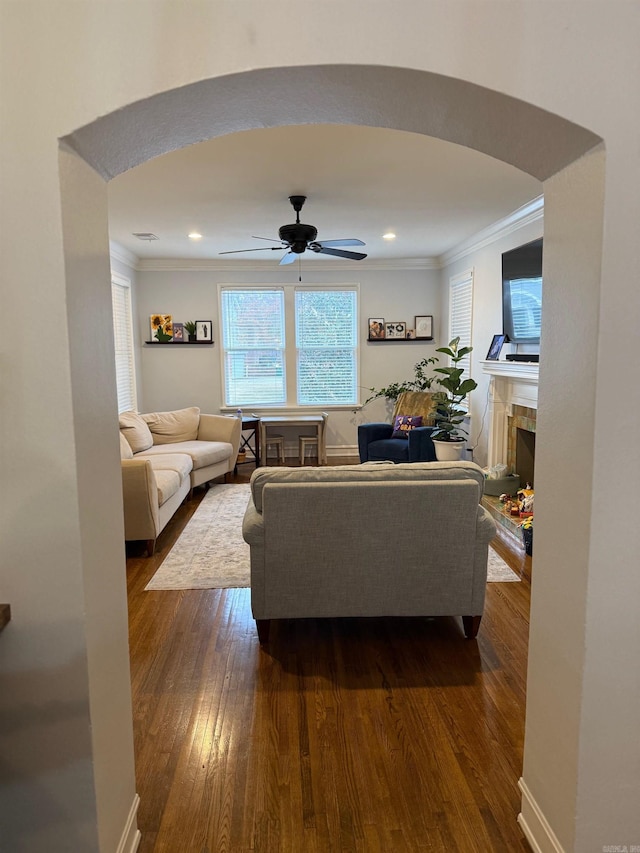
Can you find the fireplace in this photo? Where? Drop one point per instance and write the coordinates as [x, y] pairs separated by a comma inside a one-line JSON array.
[[521, 442], [513, 399], [513, 396]]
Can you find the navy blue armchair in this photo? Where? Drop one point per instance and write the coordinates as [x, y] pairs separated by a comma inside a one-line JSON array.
[[375, 443]]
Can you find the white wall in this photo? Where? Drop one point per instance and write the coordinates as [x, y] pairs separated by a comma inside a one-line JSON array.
[[191, 376], [486, 263], [536, 84]]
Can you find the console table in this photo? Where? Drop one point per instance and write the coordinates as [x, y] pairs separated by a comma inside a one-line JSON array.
[[304, 421], [250, 425]]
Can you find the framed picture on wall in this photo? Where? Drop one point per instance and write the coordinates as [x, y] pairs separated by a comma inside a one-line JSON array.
[[376, 328], [178, 332], [204, 330], [396, 330], [424, 327]]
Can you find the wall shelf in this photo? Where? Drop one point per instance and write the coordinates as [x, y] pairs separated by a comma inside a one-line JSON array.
[[400, 340], [181, 344]]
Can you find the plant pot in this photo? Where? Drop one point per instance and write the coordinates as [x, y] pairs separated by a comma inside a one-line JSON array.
[[192, 336], [448, 451]]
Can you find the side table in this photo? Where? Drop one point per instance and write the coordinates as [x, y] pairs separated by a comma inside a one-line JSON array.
[[250, 426]]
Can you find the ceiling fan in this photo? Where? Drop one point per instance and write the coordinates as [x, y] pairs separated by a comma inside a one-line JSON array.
[[298, 237]]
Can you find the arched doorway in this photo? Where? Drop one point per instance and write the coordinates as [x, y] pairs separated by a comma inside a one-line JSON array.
[[435, 105]]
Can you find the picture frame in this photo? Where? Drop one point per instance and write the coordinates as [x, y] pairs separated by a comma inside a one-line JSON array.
[[496, 347], [376, 328], [424, 327], [411, 334], [204, 330], [178, 332], [161, 328], [396, 330]]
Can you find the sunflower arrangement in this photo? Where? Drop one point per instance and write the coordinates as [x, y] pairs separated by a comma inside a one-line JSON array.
[[162, 327]]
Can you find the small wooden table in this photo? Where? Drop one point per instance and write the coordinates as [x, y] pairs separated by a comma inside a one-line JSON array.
[[250, 425], [315, 421]]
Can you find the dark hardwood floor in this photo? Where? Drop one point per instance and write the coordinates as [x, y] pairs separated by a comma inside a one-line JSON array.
[[346, 735]]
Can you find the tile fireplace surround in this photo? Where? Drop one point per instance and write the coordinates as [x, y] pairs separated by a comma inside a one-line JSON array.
[[513, 402]]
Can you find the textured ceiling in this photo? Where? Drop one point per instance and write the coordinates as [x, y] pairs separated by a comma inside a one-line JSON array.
[[359, 182]]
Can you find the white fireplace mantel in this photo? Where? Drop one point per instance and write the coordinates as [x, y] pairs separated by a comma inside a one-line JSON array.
[[513, 383]]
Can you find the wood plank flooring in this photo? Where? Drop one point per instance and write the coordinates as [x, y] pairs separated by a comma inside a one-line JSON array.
[[369, 735]]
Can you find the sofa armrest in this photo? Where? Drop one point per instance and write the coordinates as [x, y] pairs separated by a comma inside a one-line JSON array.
[[140, 499], [221, 428], [421, 446], [371, 432]]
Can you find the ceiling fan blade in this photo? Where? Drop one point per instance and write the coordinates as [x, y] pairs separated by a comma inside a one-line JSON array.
[[272, 239], [289, 258], [348, 242], [261, 249], [340, 253]]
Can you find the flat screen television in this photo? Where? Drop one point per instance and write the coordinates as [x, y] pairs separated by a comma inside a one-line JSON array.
[[522, 293]]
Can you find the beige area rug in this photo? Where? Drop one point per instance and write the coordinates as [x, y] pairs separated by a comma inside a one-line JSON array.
[[211, 553]]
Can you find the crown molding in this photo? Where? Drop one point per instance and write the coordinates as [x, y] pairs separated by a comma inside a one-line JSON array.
[[207, 264], [525, 215], [119, 253]]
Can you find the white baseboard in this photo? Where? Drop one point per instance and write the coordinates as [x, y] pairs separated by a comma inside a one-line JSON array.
[[130, 838], [535, 826]]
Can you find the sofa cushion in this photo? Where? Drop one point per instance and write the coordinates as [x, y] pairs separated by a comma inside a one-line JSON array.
[[168, 483], [402, 424], [202, 453], [135, 431], [171, 427], [369, 472], [181, 463], [125, 448], [389, 449]]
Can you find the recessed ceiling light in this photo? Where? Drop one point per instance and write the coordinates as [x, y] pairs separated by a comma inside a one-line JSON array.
[[195, 236], [389, 236]]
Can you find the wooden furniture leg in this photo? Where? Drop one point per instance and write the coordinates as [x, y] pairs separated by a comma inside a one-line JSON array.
[[263, 626], [471, 625]]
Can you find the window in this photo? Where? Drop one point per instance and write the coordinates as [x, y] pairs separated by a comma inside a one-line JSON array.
[[326, 341], [123, 340], [290, 345], [460, 317], [253, 347]]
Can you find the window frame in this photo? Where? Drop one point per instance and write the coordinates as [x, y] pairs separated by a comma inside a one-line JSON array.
[[122, 285], [461, 290], [290, 345]]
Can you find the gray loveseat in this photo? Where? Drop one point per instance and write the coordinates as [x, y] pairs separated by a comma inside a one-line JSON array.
[[368, 540]]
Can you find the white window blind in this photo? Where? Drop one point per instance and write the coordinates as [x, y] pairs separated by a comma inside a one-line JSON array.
[[253, 343], [123, 340], [460, 318], [327, 346], [289, 345]]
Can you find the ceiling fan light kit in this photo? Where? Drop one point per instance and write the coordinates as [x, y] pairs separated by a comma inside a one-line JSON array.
[[297, 237]]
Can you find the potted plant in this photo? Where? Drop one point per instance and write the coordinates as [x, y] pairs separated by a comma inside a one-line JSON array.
[[449, 435], [190, 326], [420, 382]]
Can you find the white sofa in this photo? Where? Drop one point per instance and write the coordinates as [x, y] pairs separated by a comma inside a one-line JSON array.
[[164, 455]]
